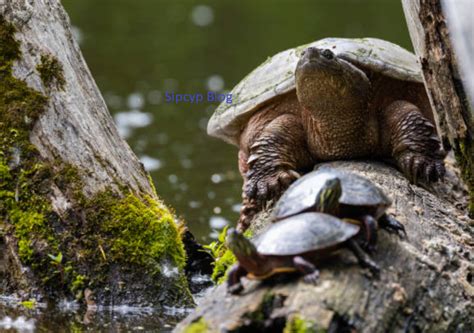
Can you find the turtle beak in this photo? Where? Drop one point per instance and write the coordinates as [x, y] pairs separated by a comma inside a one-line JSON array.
[[312, 53]]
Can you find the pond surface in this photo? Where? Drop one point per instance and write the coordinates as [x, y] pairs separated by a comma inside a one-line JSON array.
[[139, 50]]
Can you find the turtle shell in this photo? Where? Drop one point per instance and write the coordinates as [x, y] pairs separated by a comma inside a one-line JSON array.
[[304, 233], [275, 77], [356, 191]]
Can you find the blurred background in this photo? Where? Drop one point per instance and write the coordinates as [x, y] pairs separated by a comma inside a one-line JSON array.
[[138, 50]]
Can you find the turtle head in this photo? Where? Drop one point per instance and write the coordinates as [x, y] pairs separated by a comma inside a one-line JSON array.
[[325, 81], [327, 200], [240, 245], [245, 252]]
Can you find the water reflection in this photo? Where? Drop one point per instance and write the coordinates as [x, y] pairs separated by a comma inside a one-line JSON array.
[[69, 317]]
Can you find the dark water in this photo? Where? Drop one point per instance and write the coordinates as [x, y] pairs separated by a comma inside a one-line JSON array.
[[138, 50]]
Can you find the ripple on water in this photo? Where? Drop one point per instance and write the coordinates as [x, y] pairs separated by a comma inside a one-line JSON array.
[[126, 121]]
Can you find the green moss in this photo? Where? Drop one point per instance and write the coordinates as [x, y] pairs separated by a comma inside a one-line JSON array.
[[199, 326], [24, 183], [298, 325], [51, 72], [96, 235], [135, 231]]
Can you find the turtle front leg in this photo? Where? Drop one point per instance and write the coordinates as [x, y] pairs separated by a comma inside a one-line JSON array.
[[234, 285], [310, 273], [412, 141], [370, 227], [270, 159], [362, 257]]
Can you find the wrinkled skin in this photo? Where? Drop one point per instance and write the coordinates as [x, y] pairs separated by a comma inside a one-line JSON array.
[[339, 111]]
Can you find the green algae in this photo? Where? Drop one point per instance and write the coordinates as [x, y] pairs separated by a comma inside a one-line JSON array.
[[51, 72], [199, 326]]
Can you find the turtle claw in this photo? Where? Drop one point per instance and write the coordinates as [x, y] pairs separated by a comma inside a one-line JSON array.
[[263, 187], [418, 166], [312, 278], [235, 289], [391, 225], [372, 267], [247, 213]]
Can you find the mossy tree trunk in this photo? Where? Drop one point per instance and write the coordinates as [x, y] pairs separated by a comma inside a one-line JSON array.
[[426, 282], [442, 33], [77, 209]]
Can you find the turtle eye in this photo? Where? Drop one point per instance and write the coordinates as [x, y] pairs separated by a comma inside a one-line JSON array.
[[328, 54]]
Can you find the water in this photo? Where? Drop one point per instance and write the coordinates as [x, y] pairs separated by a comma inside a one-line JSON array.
[[138, 50], [69, 317]]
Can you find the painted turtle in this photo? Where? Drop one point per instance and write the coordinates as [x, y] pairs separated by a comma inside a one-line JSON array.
[[355, 198], [294, 244]]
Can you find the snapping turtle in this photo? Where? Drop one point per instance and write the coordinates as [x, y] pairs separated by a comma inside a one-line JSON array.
[[294, 244], [354, 197], [332, 99]]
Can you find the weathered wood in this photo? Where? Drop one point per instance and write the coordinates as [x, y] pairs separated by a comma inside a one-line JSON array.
[[435, 27], [426, 284], [99, 224]]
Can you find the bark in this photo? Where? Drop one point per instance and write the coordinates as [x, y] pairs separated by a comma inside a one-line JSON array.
[[78, 223], [426, 283], [442, 32]]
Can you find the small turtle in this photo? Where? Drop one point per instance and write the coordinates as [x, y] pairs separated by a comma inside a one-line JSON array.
[[335, 98], [294, 244], [351, 196]]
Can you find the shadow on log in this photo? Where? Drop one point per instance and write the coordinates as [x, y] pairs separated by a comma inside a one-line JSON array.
[[426, 283], [78, 213]]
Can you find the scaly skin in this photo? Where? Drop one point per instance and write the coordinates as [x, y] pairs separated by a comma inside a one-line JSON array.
[[338, 112]]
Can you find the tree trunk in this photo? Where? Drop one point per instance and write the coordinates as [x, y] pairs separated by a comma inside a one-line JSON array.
[[435, 27], [426, 282], [77, 209]]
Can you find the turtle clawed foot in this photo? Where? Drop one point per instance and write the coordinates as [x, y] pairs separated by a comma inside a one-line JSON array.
[[312, 278], [235, 289], [391, 225], [263, 187], [369, 248], [418, 167], [372, 267]]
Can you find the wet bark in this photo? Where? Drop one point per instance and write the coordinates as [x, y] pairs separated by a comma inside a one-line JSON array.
[[426, 282], [442, 35], [75, 140]]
